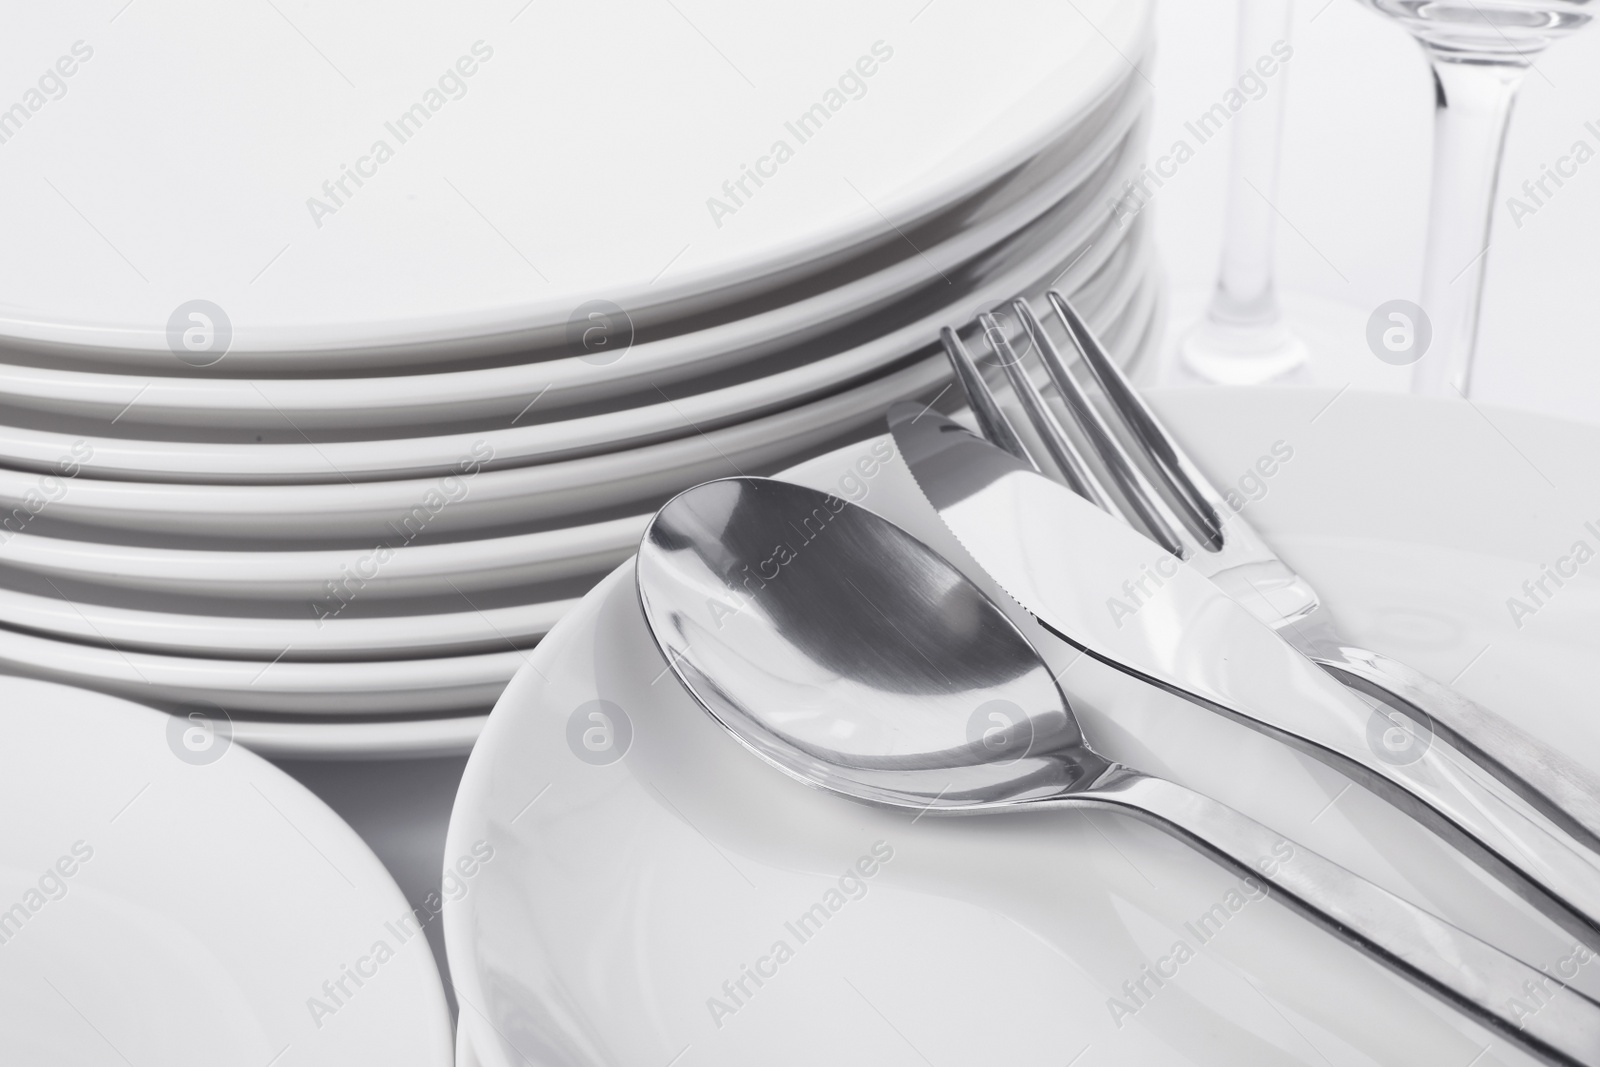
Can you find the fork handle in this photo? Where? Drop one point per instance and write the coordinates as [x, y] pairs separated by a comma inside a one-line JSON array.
[[1527, 1007], [1560, 789]]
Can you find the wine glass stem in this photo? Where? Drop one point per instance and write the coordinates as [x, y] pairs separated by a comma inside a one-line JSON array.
[[1474, 99], [1242, 338], [1244, 293]]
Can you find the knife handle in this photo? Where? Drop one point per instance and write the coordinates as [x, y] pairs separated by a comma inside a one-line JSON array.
[[1557, 787], [1527, 1007]]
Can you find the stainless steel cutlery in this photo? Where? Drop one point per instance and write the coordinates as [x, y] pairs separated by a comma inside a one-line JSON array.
[[1522, 810], [1070, 563], [854, 658], [1220, 544]]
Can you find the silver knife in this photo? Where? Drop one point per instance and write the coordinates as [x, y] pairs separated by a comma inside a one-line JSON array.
[[1104, 588]]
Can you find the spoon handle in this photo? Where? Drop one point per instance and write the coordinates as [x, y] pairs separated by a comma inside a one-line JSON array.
[[1530, 1008]]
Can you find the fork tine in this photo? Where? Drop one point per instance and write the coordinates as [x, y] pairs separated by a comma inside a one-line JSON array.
[[992, 422], [1074, 470], [1153, 514], [1195, 494]]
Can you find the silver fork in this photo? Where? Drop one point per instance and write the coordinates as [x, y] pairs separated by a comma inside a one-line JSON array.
[[1194, 522]]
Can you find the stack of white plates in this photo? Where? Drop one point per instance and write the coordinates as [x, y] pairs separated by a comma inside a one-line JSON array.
[[339, 353]]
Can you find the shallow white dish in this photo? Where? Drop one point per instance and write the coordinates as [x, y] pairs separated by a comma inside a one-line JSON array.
[[497, 497], [491, 498], [1078, 175], [322, 633], [377, 740], [406, 570], [632, 890], [472, 235], [371, 666], [372, 689], [1107, 265], [330, 696], [164, 910]]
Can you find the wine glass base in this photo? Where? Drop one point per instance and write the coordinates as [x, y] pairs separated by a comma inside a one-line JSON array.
[[1222, 354]]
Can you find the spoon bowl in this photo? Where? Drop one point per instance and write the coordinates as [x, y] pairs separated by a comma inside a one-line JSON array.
[[898, 683]]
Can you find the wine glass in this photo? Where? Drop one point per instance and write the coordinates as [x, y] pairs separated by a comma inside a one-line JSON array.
[[1479, 50], [1243, 339]]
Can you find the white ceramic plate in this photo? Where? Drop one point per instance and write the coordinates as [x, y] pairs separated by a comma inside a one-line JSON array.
[[522, 494], [164, 910], [321, 633], [637, 895], [411, 570], [1107, 262], [559, 173], [1071, 171], [393, 689], [325, 632], [378, 740], [365, 511], [317, 672], [408, 570]]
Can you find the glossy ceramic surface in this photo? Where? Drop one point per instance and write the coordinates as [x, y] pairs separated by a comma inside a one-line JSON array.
[[171, 898], [483, 223]]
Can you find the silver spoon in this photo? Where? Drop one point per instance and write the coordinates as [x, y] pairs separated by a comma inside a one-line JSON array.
[[854, 658]]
